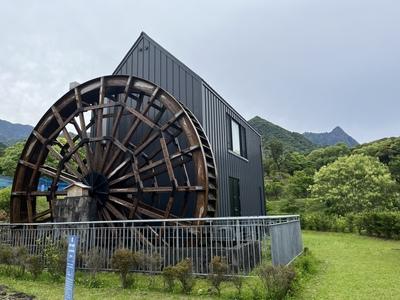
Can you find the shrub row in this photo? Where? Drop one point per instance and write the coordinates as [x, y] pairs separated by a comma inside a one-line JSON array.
[[275, 282], [383, 224], [16, 260]]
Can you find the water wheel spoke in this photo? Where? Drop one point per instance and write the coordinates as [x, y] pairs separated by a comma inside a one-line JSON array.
[[49, 171], [168, 189], [41, 214], [120, 201], [176, 142], [119, 167], [111, 208], [120, 111], [106, 214], [83, 128], [121, 179], [135, 124], [98, 112], [70, 142], [125, 190], [162, 169], [152, 212], [54, 154], [132, 129], [156, 152], [171, 158]]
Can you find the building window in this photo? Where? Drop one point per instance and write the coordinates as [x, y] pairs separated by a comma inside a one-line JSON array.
[[237, 138], [234, 195]]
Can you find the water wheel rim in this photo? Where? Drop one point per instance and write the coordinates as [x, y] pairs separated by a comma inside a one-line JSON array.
[[98, 97]]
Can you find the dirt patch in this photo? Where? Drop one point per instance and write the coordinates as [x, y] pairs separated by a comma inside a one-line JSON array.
[[7, 294]]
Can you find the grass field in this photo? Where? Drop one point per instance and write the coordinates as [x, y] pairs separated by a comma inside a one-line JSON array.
[[353, 267], [43, 289]]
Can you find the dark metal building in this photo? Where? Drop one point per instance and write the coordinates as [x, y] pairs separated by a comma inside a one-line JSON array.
[[236, 145]]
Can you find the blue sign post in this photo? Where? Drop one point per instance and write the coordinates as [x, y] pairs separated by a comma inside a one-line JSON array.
[[70, 271]]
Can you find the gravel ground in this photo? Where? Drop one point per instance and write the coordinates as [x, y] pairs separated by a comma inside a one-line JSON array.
[[7, 294]]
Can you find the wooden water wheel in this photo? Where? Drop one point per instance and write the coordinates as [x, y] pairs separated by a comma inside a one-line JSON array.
[[139, 150]]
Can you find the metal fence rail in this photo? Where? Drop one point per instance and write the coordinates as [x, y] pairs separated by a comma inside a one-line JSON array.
[[244, 242]]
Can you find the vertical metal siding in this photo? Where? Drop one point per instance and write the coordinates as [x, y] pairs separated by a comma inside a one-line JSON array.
[[150, 61], [248, 171]]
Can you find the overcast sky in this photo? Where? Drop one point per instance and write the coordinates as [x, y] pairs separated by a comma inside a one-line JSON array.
[[304, 65]]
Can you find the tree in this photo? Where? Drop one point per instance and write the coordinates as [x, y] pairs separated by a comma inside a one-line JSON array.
[[2, 148], [295, 161], [355, 183], [11, 155], [273, 188], [5, 195], [276, 149], [9, 160], [387, 150], [298, 184], [323, 156]]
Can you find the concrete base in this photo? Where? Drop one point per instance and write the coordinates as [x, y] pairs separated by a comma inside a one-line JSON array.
[[75, 209]]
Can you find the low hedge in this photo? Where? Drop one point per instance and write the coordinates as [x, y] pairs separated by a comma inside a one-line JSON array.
[[385, 224]]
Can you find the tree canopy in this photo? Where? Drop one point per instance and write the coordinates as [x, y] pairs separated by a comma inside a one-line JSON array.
[[10, 157], [355, 183]]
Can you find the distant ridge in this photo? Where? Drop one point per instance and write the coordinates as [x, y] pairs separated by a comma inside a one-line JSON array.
[[13, 132], [291, 141], [337, 135]]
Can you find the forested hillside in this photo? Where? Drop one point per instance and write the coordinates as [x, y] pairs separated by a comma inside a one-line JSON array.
[[11, 132], [335, 180], [291, 141]]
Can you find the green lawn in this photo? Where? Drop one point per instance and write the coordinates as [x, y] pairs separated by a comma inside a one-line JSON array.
[[43, 289], [353, 267]]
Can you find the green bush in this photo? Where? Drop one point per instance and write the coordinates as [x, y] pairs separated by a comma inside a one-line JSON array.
[[123, 260], [6, 258], [276, 280], [238, 283], [6, 254], [384, 224], [14, 260], [339, 224], [55, 255], [150, 263], [168, 274], [34, 265], [318, 221], [305, 266], [380, 224], [219, 268], [95, 261], [351, 222], [184, 275], [19, 259], [306, 263], [182, 272], [5, 195]]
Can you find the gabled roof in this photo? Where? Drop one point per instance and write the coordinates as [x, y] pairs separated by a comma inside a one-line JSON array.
[[161, 48], [143, 35]]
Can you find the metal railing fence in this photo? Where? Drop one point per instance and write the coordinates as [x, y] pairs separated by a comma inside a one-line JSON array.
[[244, 242]]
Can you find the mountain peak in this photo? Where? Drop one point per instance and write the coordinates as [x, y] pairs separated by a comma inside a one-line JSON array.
[[337, 135], [338, 129]]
